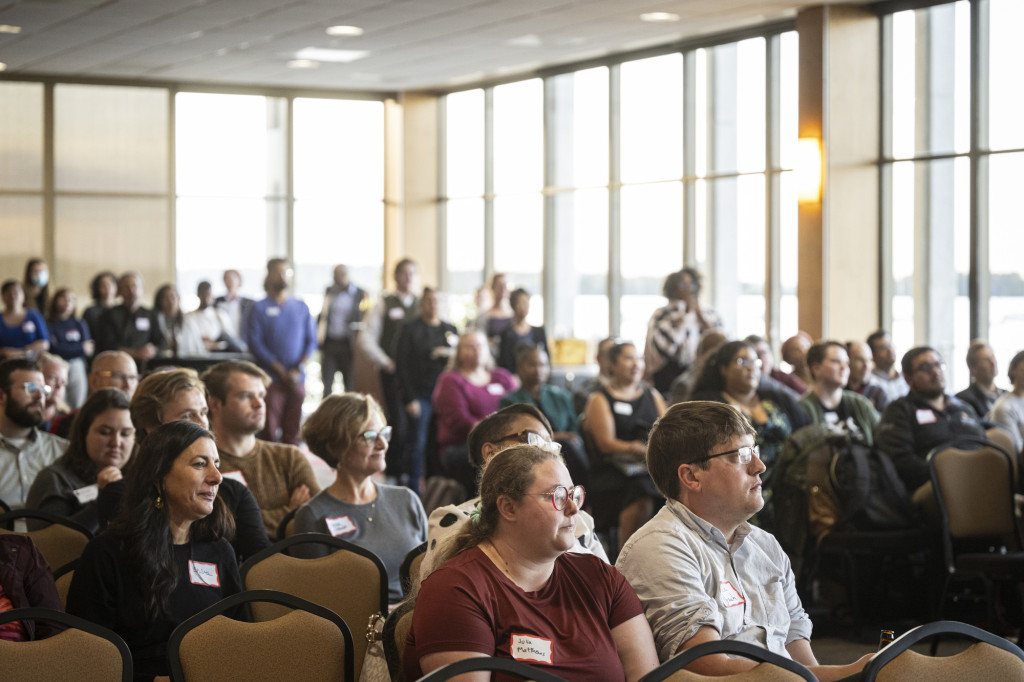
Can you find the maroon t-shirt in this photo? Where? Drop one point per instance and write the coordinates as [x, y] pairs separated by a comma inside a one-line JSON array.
[[468, 604]]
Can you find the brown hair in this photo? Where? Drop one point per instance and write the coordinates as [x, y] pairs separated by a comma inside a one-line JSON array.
[[337, 423], [216, 377], [685, 434], [155, 391]]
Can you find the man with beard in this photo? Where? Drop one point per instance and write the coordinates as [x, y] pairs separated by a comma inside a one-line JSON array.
[[24, 449], [926, 417], [278, 475], [282, 337]]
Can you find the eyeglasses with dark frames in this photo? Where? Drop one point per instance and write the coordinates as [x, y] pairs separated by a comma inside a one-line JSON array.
[[743, 455]]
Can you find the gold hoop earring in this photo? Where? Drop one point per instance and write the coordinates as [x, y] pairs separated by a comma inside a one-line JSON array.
[[159, 502]]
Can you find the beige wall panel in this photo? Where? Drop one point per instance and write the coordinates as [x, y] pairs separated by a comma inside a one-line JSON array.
[[839, 90], [21, 233], [420, 182], [94, 234], [21, 136]]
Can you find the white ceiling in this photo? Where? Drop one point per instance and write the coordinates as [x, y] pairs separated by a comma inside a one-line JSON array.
[[411, 44]]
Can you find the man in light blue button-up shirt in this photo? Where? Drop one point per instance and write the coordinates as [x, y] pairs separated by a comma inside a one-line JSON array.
[[702, 572]]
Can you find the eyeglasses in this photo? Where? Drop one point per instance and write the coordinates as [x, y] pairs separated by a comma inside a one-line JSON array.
[[745, 362], [120, 376], [372, 436], [561, 495], [528, 437], [928, 367], [32, 387], [743, 455]]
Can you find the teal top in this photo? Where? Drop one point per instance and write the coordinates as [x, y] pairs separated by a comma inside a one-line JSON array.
[[555, 403]]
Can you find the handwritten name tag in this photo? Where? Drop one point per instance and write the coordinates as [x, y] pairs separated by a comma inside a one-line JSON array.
[[341, 525], [925, 417], [495, 389], [29, 327], [142, 324], [202, 573], [730, 595], [73, 336], [273, 312], [531, 649], [396, 313]]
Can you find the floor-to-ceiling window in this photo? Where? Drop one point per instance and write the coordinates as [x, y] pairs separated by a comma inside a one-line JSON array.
[[952, 151], [590, 186]]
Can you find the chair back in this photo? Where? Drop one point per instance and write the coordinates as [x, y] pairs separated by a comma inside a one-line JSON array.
[[85, 652], [974, 492], [990, 658], [507, 666], [286, 528], [309, 642], [1000, 437], [770, 665], [396, 631], [409, 571], [62, 580], [60, 543], [352, 582]]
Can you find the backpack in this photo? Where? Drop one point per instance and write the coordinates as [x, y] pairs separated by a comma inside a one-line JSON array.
[[827, 479]]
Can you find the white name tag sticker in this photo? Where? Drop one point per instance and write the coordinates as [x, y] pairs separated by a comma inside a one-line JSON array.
[[625, 409], [273, 312], [73, 336], [142, 324], [396, 313], [202, 573], [235, 475], [340, 525], [87, 494], [730, 596], [29, 327], [925, 417], [831, 418], [531, 649], [495, 389]]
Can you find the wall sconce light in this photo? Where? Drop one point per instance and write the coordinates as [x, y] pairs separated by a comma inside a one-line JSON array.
[[808, 169]]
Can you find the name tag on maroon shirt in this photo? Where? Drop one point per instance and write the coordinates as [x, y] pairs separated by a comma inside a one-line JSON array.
[[531, 649]]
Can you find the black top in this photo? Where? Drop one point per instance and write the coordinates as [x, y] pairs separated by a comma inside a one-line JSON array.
[[910, 428], [510, 340], [418, 359], [106, 591], [123, 328], [978, 399]]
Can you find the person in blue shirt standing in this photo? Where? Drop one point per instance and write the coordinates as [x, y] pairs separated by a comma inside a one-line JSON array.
[[282, 337], [23, 331]]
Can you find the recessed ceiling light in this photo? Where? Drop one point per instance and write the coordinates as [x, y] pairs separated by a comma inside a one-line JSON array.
[[659, 16], [326, 55], [303, 64], [7, 28], [344, 31]]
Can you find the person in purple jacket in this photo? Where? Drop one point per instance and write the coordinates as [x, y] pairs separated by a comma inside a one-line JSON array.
[[282, 337]]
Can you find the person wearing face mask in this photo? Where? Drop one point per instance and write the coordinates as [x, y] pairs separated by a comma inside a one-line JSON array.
[[23, 331], [101, 442], [282, 337], [167, 557], [37, 284]]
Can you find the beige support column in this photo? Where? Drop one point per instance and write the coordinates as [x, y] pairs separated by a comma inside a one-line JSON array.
[[838, 235], [415, 230]]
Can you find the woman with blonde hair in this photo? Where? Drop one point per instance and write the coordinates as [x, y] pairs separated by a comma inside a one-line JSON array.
[[511, 589], [348, 431], [464, 395]]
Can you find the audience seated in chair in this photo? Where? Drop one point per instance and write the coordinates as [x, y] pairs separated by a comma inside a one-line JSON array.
[[517, 424], [702, 572], [25, 581], [827, 402], [277, 474]]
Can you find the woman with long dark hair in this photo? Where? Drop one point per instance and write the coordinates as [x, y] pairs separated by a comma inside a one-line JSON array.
[[101, 441], [167, 555], [103, 289], [37, 284]]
